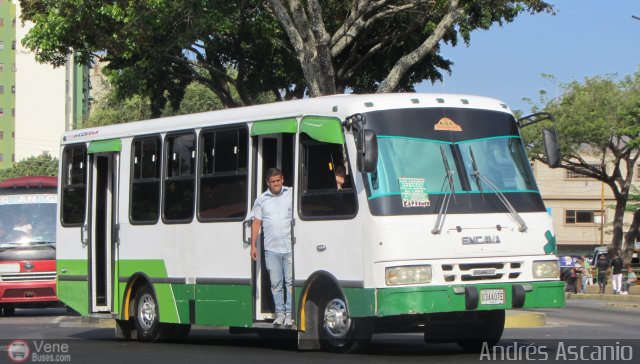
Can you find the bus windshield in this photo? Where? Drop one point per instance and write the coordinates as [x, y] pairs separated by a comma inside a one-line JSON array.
[[27, 219], [418, 149]]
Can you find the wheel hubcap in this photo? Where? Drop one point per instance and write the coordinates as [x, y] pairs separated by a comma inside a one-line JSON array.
[[146, 311], [336, 319]]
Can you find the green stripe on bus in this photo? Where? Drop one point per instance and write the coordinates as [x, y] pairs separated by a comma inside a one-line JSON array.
[[111, 145], [224, 304], [289, 125], [322, 128], [74, 294]]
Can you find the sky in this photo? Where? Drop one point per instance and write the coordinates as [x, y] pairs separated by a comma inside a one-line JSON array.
[[585, 38]]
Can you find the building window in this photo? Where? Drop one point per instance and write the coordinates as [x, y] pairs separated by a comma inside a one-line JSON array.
[[13, 157], [1, 67], [1, 135], [1, 157], [583, 217], [1, 22], [1, 111], [13, 112], [13, 45], [13, 67], [1, 90], [13, 89], [1, 45]]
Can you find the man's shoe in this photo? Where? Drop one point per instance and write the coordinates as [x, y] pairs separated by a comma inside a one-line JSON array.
[[625, 292], [287, 320], [279, 319]]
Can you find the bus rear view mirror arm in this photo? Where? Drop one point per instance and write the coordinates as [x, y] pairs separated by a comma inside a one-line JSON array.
[[549, 136]]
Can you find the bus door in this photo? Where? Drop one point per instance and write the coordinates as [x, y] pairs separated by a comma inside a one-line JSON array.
[[102, 229], [270, 150], [327, 238]]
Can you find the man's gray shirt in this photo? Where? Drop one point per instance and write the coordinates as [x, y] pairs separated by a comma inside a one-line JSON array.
[[275, 212]]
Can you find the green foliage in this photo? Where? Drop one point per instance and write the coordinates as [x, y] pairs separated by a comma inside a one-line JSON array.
[[157, 48], [598, 125], [110, 109], [42, 165]]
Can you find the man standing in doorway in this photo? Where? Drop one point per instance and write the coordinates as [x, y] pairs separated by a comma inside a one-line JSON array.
[[272, 211]]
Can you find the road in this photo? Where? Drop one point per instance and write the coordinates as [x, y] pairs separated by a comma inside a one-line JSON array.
[[582, 324]]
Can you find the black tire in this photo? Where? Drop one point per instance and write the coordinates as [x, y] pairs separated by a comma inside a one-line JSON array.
[[146, 319], [487, 331], [9, 311], [338, 332]]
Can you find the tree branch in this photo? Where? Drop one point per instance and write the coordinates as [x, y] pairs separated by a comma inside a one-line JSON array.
[[390, 83]]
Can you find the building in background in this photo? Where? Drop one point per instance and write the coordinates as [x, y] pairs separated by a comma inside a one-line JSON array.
[[37, 102], [581, 208], [7, 82]]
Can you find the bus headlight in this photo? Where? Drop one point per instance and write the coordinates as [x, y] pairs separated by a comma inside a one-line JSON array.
[[546, 269], [409, 274]]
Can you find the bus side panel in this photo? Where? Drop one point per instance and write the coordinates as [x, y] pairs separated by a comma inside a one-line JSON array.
[[155, 270], [72, 283], [224, 304]]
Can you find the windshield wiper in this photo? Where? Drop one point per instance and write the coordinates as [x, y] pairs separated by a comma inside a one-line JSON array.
[[444, 206], [522, 226]]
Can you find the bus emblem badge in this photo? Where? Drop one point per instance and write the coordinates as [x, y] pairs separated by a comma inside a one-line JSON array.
[[447, 124], [28, 266]]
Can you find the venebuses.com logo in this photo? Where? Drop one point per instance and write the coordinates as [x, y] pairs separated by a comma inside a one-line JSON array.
[[20, 351]]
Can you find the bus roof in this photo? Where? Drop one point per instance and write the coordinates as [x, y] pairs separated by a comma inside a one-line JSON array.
[[28, 182], [339, 106]]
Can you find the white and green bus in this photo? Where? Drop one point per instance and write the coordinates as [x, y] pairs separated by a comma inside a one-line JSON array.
[[439, 227]]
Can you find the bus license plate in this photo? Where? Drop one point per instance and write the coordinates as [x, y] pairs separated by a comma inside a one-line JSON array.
[[492, 297], [10, 268]]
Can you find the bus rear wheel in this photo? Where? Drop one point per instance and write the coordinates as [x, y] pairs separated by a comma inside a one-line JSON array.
[[339, 332], [146, 319]]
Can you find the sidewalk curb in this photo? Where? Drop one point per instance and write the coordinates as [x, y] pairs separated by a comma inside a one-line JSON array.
[[604, 297], [521, 320]]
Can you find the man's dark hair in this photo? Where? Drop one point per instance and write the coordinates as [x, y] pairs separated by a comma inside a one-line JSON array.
[[272, 172]]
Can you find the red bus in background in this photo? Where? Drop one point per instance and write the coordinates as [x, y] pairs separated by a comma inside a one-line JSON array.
[[27, 243]]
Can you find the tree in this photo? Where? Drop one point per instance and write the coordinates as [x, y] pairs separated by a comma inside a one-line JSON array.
[[598, 124], [110, 109], [42, 165], [157, 48], [287, 47]]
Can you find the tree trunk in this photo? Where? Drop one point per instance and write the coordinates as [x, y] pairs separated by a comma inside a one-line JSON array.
[[630, 238]]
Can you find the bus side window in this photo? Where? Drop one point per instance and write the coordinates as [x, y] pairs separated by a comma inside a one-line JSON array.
[[223, 179], [145, 180], [179, 183], [326, 182], [74, 185]]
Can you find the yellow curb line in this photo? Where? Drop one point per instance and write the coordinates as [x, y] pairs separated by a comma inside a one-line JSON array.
[[524, 320]]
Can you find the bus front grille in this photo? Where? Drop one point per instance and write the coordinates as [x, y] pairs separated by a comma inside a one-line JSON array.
[[481, 272]]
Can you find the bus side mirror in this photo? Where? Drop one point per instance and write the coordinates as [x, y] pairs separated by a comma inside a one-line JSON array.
[[551, 147], [367, 146]]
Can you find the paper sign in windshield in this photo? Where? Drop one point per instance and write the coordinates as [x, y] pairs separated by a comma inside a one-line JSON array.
[[413, 191]]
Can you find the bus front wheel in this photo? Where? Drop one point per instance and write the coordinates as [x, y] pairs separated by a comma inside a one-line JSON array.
[[338, 332], [147, 321]]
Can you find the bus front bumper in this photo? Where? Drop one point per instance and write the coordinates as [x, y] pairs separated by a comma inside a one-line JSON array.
[[457, 298]]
